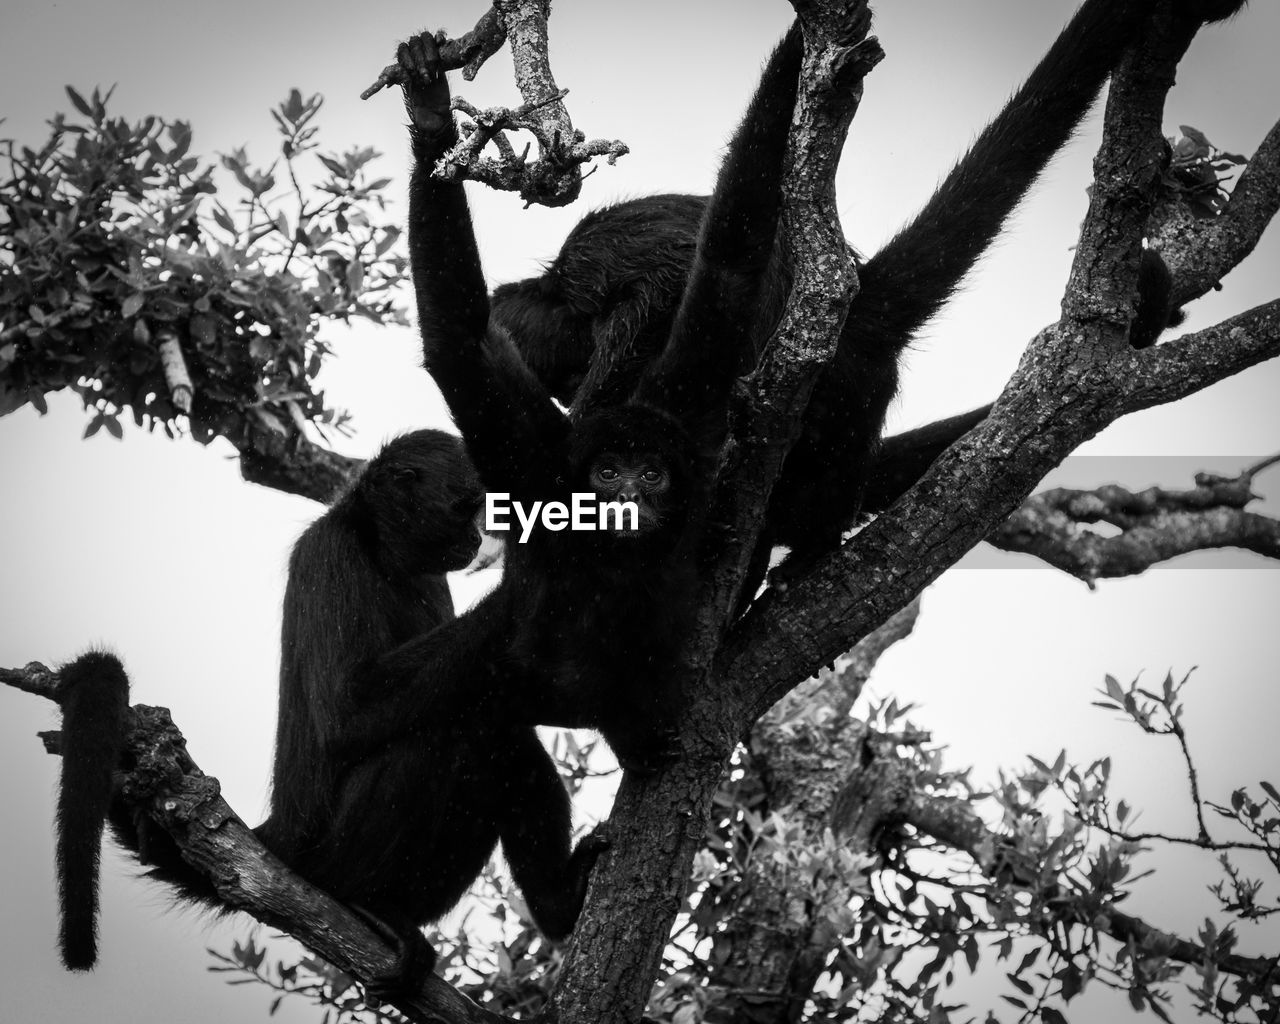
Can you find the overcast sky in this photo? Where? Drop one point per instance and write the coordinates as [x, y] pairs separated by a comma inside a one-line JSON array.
[[158, 549]]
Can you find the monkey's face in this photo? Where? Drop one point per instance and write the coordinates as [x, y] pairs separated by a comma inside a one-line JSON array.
[[423, 498], [639, 454], [447, 514], [642, 478]]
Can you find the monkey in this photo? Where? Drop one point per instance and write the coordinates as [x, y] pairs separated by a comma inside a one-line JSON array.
[[591, 323], [390, 787], [598, 619]]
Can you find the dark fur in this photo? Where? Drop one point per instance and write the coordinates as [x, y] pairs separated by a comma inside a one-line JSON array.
[[392, 785], [93, 691], [612, 289], [597, 619]]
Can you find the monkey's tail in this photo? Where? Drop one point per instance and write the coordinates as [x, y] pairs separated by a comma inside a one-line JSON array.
[[927, 259], [94, 695]]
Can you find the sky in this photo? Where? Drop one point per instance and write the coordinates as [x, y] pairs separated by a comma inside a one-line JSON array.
[[158, 549]]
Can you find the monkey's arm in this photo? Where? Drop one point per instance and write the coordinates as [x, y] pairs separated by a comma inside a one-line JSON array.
[[717, 317], [510, 424], [457, 672]]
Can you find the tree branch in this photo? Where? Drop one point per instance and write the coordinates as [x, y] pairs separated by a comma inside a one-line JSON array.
[[555, 178], [1155, 525], [296, 466], [1201, 251]]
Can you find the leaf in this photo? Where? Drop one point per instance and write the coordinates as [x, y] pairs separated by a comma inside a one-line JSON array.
[[335, 168], [1051, 1016], [223, 220], [355, 277], [1114, 690], [1021, 984], [389, 238], [79, 102], [1195, 135], [132, 305], [1029, 959], [203, 330]]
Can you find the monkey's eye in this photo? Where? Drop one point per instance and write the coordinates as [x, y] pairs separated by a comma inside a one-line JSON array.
[[652, 476], [607, 473]]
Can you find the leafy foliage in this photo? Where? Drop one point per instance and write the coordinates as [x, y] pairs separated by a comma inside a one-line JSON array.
[[140, 276]]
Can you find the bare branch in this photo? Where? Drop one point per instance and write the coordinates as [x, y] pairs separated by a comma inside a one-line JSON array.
[[1155, 525], [32, 678], [469, 52], [555, 178]]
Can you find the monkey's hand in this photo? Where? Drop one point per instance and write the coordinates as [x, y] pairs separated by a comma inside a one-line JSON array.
[[426, 92]]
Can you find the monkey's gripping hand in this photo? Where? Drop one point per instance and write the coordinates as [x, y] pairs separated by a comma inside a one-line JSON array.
[[426, 95]]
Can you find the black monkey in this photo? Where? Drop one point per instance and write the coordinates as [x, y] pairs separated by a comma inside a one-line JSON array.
[[597, 619], [599, 313], [391, 787]]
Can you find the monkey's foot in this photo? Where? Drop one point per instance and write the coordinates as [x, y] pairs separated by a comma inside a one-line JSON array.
[[415, 958], [655, 753]]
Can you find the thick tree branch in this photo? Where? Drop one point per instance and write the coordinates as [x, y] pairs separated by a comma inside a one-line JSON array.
[[1155, 525], [296, 466], [170, 789]]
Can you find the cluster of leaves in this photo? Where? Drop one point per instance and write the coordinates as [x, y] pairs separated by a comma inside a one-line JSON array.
[[1104, 831], [125, 276], [1197, 172]]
